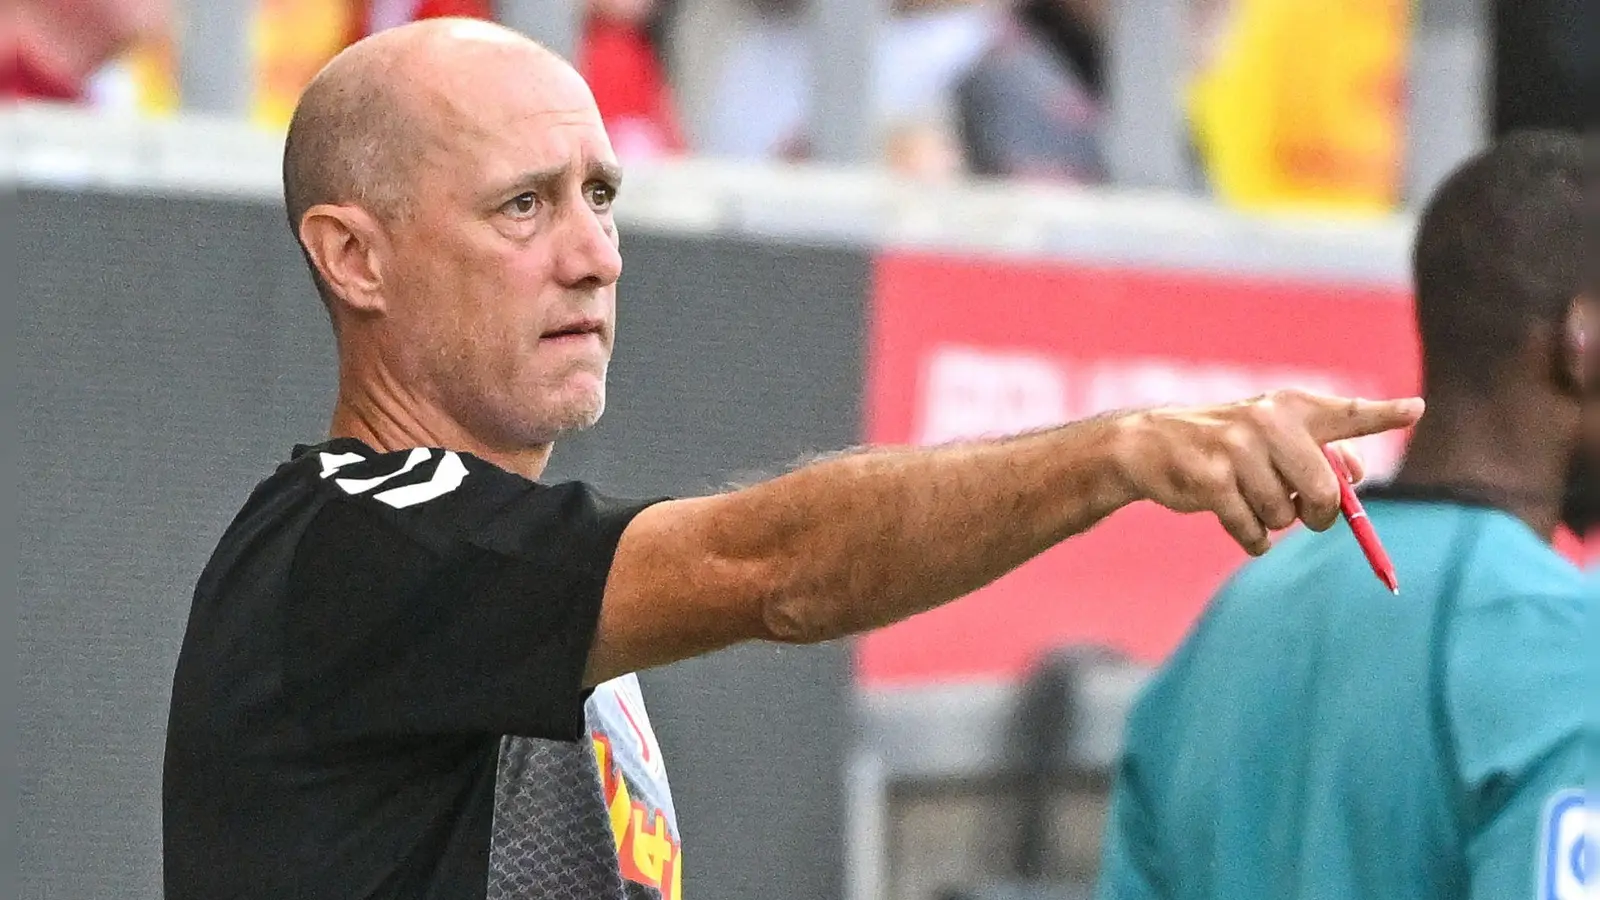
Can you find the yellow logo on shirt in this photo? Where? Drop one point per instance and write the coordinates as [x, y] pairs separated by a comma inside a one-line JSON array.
[[646, 848]]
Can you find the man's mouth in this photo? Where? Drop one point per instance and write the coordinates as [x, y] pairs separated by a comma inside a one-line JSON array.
[[579, 329]]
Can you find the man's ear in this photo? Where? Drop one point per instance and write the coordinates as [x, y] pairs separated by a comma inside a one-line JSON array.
[[343, 243], [1580, 345]]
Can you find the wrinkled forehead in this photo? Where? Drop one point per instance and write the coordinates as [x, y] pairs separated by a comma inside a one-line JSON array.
[[509, 112]]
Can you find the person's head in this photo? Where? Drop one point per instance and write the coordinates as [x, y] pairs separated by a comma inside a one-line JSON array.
[[451, 184], [1501, 299]]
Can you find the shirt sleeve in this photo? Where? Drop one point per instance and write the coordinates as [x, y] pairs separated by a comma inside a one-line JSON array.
[[470, 612], [1516, 704]]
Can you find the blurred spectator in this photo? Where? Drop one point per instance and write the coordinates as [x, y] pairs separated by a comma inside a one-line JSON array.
[[144, 80], [372, 16], [1301, 105], [290, 40], [619, 60], [293, 39], [1032, 106], [923, 150], [54, 46], [760, 93], [376, 15]]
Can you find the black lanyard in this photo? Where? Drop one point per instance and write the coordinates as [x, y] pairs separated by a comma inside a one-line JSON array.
[[1459, 493]]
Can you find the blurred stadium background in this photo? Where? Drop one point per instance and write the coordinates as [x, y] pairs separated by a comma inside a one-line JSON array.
[[846, 220]]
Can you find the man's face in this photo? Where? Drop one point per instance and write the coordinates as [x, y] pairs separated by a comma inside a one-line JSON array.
[[501, 275]]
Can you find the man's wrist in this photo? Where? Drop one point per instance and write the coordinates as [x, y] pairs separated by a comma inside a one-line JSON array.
[[1123, 442]]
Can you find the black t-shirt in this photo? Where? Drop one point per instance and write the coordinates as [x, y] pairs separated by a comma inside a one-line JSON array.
[[380, 695]]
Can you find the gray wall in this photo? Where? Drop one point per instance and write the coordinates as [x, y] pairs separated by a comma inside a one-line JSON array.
[[170, 351]]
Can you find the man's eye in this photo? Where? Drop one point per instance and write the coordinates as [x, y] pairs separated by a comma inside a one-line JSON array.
[[602, 195], [522, 205]]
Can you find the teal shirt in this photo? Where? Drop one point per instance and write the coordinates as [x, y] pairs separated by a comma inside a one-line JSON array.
[[1317, 738]]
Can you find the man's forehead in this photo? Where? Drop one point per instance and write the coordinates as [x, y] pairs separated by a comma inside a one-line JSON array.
[[514, 139], [514, 113], [520, 77]]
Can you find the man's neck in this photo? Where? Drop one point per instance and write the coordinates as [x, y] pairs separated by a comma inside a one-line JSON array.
[[387, 425], [1514, 460]]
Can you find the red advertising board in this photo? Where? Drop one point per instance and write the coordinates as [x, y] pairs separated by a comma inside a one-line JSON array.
[[961, 348], [967, 347]]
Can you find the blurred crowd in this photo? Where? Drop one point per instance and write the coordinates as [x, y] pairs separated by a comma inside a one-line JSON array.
[[1287, 101], [124, 55]]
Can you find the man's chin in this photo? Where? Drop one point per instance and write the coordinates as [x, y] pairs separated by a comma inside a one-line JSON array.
[[577, 414], [586, 418]]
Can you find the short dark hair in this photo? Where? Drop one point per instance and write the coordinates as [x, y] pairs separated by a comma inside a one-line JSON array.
[[1499, 252], [347, 143]]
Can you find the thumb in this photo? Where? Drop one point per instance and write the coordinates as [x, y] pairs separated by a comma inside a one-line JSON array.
[[1339, 418]]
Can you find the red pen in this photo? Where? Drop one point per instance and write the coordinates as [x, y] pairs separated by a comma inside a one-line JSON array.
[[1360, 525]]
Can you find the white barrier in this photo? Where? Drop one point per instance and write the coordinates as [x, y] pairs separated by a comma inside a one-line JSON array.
[[45, 145]]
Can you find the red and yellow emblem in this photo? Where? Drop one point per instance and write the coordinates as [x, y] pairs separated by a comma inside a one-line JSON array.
[[649, 853]]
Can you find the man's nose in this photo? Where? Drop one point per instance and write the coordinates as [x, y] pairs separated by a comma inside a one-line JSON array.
[[588, 256]]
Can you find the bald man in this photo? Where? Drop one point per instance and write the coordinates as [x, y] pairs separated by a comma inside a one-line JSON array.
[[407, 670]]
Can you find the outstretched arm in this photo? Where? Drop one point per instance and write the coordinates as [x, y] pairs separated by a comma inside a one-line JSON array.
[[865, 539]]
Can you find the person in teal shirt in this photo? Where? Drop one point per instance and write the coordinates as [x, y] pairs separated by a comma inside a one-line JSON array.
[[1315, 737]]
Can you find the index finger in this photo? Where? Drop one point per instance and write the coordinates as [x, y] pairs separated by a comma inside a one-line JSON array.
[[1337, 418]]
